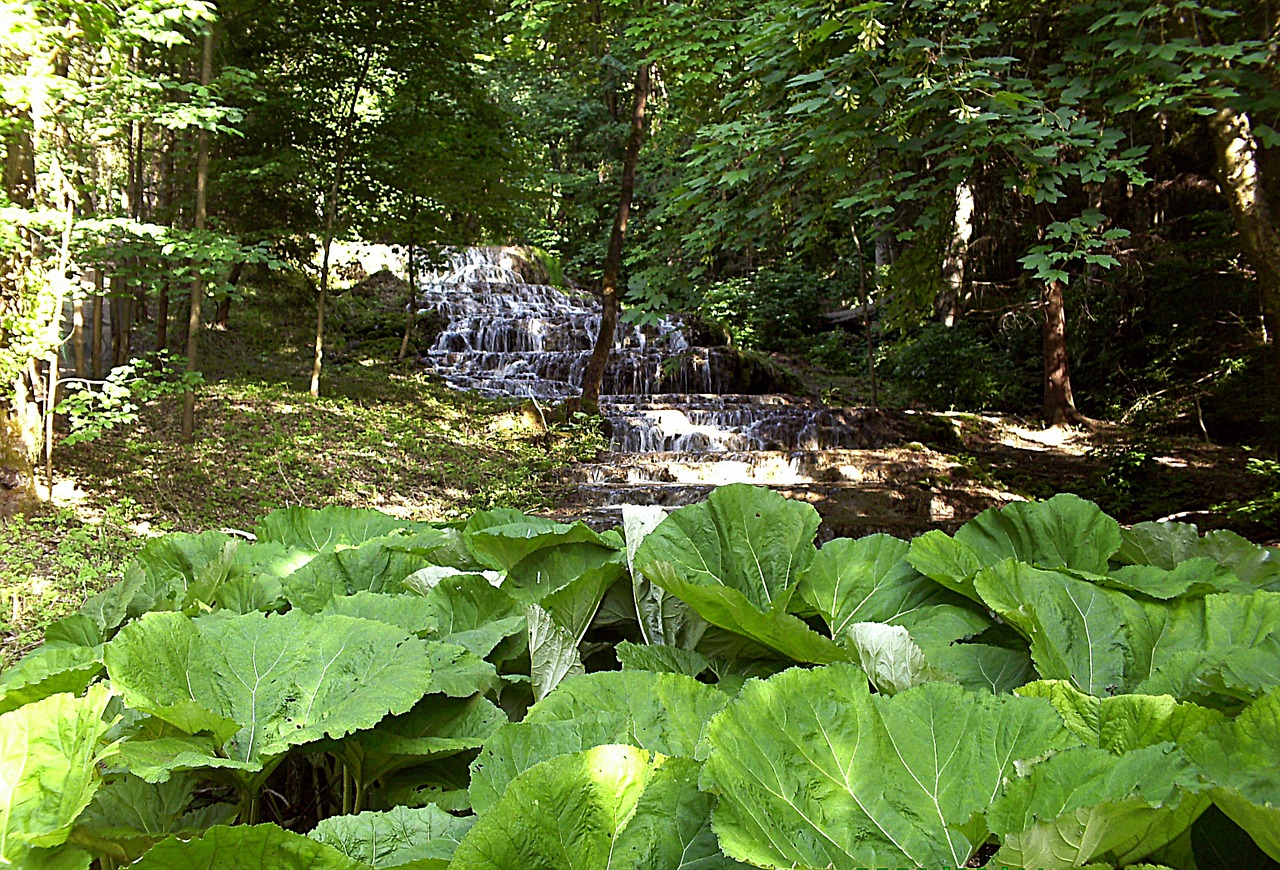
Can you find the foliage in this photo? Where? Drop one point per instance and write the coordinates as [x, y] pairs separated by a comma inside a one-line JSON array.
[[126, 388], [1093, 723], [954, 367]]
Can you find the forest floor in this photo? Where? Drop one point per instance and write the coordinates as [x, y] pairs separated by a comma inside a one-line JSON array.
[[389, 437]]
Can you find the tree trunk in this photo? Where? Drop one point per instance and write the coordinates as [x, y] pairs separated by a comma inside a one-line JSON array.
[[1059, 403], [77, 334], [1241, 180], [222, 316], [194, 320], [412, 314], [953, 264], [162, 318], [330, 220], [593, 379], [99, 300]]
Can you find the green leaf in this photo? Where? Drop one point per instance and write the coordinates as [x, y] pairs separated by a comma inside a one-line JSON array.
[[661, 659], [505, 545], [282, 680], [608, 807], [749, 540], [1123, 723], [1076, 629], [156, 760], [135, 815], [49, 756], [1239, 759], [869, 580], [574, 605], [1064, 532], [1087, 803], [814, 771], [409, 613], [421, 839], [330, 528], [664, 713], [376, 565], [553, 652], [985, 668], [49, 670], [467, 610], [664, 618], [245, 848], [890, 658], [1168, 545]]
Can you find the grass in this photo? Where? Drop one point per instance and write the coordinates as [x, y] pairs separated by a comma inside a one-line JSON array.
[[381, 435]]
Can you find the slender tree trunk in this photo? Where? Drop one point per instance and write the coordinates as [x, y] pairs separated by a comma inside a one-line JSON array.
[[1059, 403], [953, 265], [77, 334], [194, 320], [222, 316], [330, 221], [1241, 180], [99, 300], [593, 379], [411, 314], [162, 317]]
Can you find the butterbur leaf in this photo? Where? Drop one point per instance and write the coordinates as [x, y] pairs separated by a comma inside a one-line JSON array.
[[1085, 803], [1239, 759], [813, 770], [660, 659], [1198, 576], [49, 670], [574, 605], [611, 807], [135, 815], [1063, 532], [889, 656], [664, 619], [469, 611], [1167, 545], [423, 839], [985, 668], [664, 713], [329, 528], [409, 613], [553, 652], [246, 848], [730, 609], [1076, 629], [1123, 723], [504, 545], [283, 680], [376, 565], [158, 759], [744, 538], [49, 755], [869, 580]]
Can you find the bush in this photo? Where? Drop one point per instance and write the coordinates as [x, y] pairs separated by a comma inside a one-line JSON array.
[[954, 367], [773, 310]]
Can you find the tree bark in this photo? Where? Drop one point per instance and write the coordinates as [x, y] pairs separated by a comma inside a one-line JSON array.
[[411, 314], [99, 301], [953, 264], [1241, 181], [194, 321], [593, 378], [1059, 403], [77, 334], [330, 220]]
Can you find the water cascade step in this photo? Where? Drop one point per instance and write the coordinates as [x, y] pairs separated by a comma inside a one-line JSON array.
[[684, 418]]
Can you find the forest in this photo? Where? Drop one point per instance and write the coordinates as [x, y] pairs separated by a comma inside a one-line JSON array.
[[698, 434]]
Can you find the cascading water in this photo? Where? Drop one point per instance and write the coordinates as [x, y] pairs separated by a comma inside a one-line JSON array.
[[681, 420]]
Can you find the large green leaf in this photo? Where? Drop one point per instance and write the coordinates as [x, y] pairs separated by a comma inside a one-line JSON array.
[[607, 808], [49, 756], [416, 839], [375, 565], [730, 609], [553, 652], [1239, 758], [330, 528], [469, 611], [1085, 804], [574, 604], [1123, 723], [743, 538], [504, 545], [660, 659], [133, 815], [1167, 545], [409, 613], [246, 848], [282, 680], [891, 659], [814, 771], [49, 670], [664, 619], [985, 668], [869, 580], [1064, 532], [1076, 629], [664, 713]]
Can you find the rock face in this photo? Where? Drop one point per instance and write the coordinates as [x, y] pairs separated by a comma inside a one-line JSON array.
[[686, 417]]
